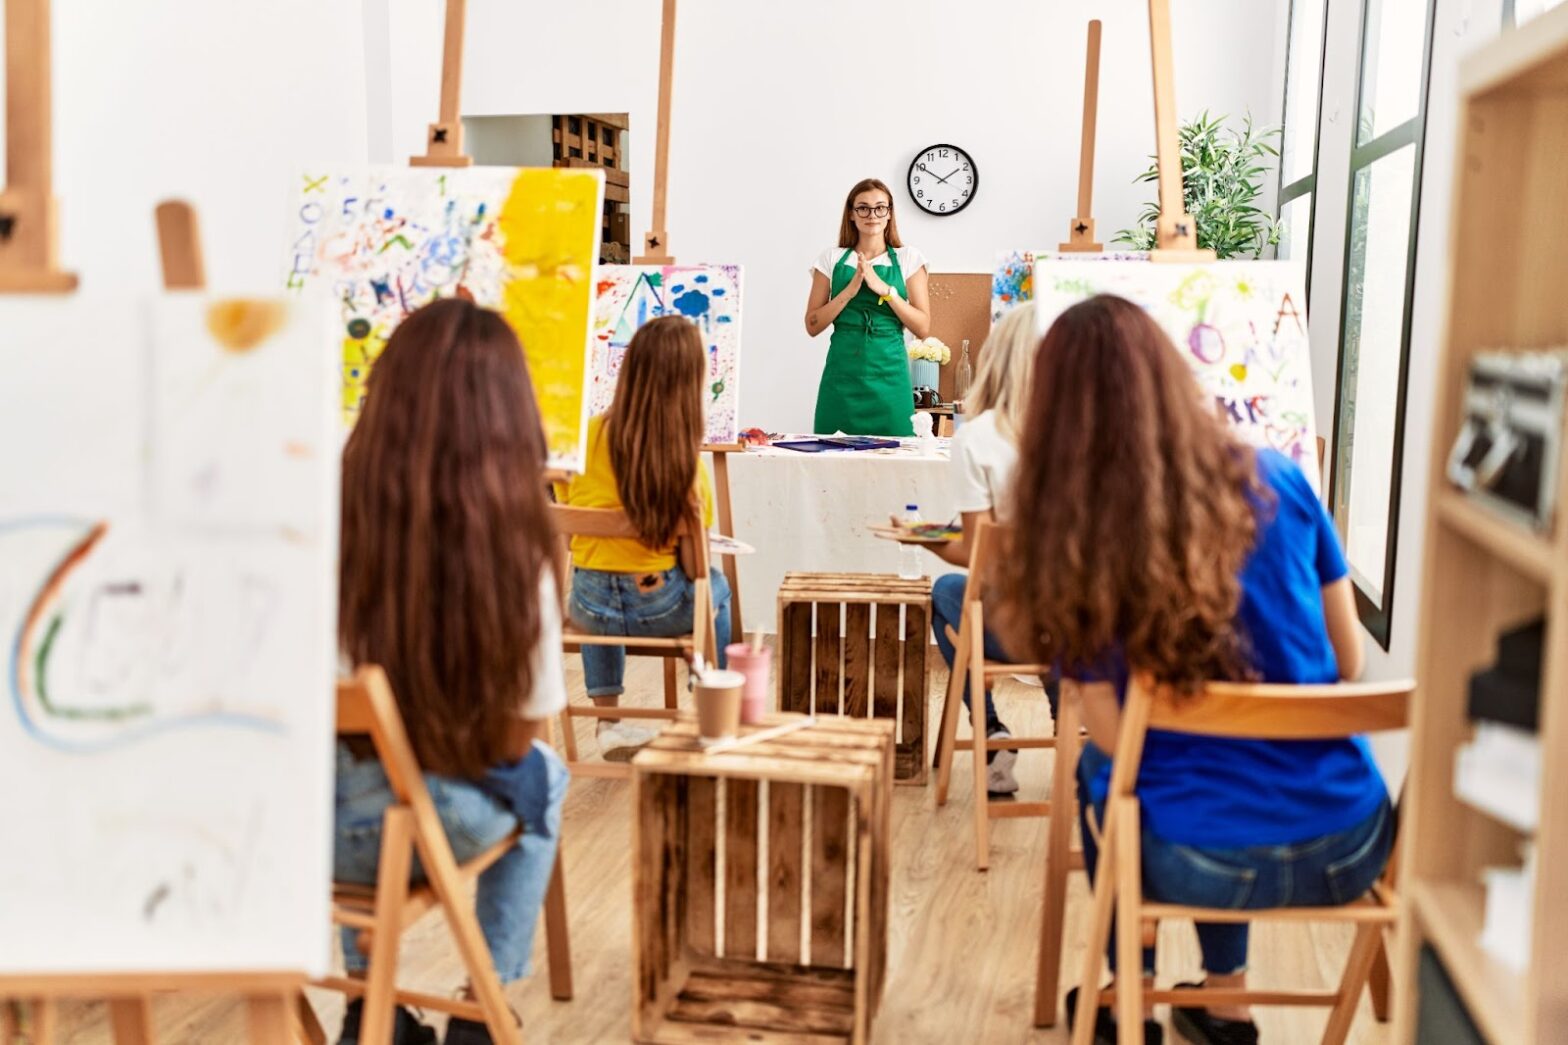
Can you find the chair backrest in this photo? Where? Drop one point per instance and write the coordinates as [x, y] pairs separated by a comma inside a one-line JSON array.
[[366, 706], [989, 538], [1255, 711]]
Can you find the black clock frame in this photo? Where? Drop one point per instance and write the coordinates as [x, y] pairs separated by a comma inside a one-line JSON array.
[[974, 190]]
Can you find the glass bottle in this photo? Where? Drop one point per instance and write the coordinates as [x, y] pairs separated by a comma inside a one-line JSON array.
[[963, 375]]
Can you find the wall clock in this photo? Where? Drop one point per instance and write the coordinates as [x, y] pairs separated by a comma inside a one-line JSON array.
[[942, 179]]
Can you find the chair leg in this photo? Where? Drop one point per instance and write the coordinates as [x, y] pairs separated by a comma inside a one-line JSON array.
[[670, 691], [568, 737], [1381, 981], [131, 1019], [1058, 863], [309, 1027], [558, 941], [947, 738], [1358, 967], [1099, 934], [397, 852], [978, 740], [471, 947], [270, 1019], [1129, 925]]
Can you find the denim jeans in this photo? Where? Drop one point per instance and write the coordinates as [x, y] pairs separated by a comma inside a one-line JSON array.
[[605, 603], [510, 891], [947, 608], [1319, 872]]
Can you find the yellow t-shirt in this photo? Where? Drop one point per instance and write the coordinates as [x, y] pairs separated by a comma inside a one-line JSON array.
[[595, 488]]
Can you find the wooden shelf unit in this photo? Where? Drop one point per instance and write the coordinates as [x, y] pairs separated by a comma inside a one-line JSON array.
[[1485, 573], [598, 139]]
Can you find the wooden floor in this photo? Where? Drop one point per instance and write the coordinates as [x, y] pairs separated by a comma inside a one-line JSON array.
[[962, 942]]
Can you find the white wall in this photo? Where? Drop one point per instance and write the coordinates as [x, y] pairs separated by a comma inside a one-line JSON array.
[[779, 108], [216, 103]]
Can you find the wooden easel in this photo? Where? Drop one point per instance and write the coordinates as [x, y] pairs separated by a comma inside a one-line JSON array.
[[1176, 233], [1080, 237], [656, 242], [29, 236], [444, 142]]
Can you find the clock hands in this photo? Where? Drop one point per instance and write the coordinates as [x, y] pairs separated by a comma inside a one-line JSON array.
[[941, 179]]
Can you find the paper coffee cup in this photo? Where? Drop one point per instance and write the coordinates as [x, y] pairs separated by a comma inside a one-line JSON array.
[[718, 704]]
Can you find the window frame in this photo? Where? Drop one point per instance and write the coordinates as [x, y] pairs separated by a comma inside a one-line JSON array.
[[1377, 617], [1307, 184]]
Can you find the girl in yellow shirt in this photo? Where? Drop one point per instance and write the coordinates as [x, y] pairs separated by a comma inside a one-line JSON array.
[[643, 456]]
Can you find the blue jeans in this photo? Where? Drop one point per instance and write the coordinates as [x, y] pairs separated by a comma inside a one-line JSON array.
[[511, 890], [605, 603], [1320, 872], [947, 608]]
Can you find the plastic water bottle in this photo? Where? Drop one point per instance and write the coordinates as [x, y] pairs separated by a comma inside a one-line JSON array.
[[908, 554]]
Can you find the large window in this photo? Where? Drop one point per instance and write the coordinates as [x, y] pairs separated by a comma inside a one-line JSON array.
[[1369, 408], [1298, 161]]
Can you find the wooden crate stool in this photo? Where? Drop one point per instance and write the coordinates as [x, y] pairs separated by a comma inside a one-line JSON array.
[[798, 830], [869, 636], [387, 909]]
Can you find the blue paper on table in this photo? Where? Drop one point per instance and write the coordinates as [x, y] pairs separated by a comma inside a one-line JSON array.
[[838, 442]]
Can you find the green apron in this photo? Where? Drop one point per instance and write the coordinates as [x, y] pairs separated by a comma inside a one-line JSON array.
[[865, 387]]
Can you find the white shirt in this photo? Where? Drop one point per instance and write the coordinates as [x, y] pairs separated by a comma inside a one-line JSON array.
[[910, 260], [983, 464]]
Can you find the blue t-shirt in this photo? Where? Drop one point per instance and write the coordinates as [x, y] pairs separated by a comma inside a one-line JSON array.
[[1218, 793]]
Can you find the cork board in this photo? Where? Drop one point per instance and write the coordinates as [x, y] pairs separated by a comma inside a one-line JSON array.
[[960, 308]]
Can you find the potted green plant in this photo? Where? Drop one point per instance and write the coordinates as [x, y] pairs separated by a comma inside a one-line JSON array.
[[1221, 169]]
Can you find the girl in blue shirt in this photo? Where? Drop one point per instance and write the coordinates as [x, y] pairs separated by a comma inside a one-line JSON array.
[[1167, 546]]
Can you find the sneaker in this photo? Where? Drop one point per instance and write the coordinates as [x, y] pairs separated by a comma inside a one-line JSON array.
[[1105, 1024], [619, 741], [406, 1030], [460, 1031], [999, 779], [1196, 1024]]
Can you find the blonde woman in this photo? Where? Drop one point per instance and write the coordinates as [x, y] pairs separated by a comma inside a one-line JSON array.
[[985, 451]]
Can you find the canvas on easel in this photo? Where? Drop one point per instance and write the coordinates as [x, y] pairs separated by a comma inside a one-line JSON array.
[[1012, 281], [168, 547], [627, 296], [1240, 325], [384, 241]]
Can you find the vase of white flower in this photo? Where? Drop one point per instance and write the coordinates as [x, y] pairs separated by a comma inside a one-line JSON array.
[[926, 357]]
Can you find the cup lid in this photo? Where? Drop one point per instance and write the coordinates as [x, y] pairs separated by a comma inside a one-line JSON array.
[[721, 679]]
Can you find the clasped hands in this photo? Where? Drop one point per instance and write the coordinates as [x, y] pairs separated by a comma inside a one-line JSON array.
[[865, 273]]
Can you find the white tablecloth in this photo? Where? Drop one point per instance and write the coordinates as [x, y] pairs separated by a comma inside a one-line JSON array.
[[810, 512]]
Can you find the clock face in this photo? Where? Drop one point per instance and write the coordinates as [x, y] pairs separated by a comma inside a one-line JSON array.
[[942, 179]]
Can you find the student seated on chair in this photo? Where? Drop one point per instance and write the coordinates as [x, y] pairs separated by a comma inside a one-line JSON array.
[[447, 582], [644, 456], [985, 452], [1173, 549]]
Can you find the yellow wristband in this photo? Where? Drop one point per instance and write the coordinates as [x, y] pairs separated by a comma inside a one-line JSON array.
[[883, 299]]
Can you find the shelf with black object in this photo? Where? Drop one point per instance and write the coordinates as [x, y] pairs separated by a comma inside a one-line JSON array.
[[1491, 861]]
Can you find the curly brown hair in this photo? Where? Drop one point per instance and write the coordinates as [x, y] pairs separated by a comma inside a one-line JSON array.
[[446, 533], [1134, 510]]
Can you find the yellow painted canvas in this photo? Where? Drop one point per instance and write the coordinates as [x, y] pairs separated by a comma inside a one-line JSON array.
[[382, 242]]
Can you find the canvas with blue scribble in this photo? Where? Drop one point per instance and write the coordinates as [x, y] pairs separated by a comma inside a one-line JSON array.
[[1012, 282], [627, 296]]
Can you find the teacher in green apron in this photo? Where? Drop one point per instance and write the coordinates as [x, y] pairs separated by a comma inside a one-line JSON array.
[[869, 289]]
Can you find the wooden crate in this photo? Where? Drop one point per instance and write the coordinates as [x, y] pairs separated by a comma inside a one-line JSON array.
[[760, 884], [855, 644]]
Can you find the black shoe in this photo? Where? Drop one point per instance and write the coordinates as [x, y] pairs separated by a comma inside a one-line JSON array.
[[1105, 1024], [466, 1032], [1197, 1025], [406, 1030]]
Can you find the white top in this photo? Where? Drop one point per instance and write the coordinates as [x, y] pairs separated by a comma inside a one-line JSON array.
[[549, 695], [983, 464], [910, 260]]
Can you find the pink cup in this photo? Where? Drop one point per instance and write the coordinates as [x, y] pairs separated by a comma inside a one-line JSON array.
[[757, 667]]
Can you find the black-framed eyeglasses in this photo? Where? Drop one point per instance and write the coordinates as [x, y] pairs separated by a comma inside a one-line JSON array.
[[865, 210]]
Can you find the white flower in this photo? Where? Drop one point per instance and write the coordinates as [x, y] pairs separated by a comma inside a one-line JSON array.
[[931, 349]]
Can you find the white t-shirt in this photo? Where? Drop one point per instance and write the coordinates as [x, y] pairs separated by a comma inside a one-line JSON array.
[[983, 464], [910, 260], [549, 695]]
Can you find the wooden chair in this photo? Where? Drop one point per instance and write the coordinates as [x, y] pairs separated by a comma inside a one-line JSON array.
[[693, 545], [1261, 712], [387, 909], [969, 662]]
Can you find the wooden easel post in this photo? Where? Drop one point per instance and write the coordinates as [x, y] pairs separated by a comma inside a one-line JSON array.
[[444, 142], [1081, 233], [179, 246], [656, 242], [29, 235], [1176, 233]]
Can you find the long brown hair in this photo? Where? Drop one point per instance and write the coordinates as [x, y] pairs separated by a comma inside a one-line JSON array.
[[848, 235], [446, 536], [655, 426], [1134, 509]]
